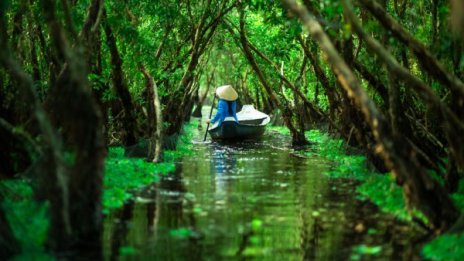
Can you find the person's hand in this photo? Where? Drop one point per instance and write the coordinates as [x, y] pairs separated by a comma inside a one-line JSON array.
[[208, 121]]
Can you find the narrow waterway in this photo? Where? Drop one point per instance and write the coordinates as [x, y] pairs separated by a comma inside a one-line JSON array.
[[253, 201]]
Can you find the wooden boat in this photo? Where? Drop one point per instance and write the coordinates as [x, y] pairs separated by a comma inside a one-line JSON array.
[[251, 125]]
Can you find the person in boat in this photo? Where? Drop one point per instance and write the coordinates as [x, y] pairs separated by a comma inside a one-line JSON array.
[[227, 105]]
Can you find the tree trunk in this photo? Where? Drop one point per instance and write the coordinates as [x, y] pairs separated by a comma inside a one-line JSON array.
[[453, 125], [420, 190], [297, 137], [316, 114], [303, 114], [76, 214], [100, 86], [155, 121], [201, 37], [373, 81], [18, 28], [54, 172], [433, 67], [351, 117], [202, 98], [36, 76], [334, 101], [119, 84]]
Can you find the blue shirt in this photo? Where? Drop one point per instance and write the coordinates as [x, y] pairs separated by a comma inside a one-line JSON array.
[[223, 111]]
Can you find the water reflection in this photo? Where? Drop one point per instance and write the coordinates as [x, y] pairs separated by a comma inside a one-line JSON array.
[[120, 229], [254, 201], [223, 164]]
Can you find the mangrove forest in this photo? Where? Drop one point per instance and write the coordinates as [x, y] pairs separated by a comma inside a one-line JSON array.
[[232, 130]]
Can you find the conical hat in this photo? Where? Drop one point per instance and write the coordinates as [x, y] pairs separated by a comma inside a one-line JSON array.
[[227, 93]]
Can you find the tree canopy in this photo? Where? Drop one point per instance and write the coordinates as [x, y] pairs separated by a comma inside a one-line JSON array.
[[79, 76]]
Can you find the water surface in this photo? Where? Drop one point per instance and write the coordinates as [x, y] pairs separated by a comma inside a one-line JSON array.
[[253, 201]]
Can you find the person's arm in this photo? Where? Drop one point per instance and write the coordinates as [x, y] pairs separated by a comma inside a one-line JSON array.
[[234, 110], [220, 111]]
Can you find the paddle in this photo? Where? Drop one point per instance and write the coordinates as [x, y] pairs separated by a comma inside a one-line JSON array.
[[210, 114]]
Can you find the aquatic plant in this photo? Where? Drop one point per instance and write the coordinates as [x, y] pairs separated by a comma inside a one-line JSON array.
[[27, 217], [381, 190], [124, 175]]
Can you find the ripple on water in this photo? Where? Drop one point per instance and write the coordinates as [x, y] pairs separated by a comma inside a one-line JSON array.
[[252, 200]]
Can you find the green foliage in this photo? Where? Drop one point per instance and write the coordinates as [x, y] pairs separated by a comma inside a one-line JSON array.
[[353, 165], [123, 175], [127, 251], [326, 146], [445, 247], [184, 145], [381, 190], [4, 5], [347, 166], [16, 189], [458, 197], [27, 218], [141, 27], [363, 250], [331, 9], [280, 129], [460, 189], [180, 232], [256, 224]]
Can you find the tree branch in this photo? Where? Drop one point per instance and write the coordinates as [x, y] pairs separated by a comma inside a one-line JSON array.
[[424, 56]]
